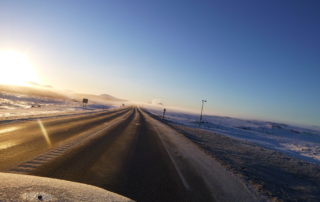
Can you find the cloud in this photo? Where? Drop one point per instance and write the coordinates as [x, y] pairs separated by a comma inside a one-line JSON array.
[[39, 85], [157, 101]]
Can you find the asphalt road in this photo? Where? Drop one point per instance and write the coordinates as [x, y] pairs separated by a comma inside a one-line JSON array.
[[24, 140], [117, 150]]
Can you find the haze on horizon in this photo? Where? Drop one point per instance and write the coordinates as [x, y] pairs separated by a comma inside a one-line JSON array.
[[249, 59]]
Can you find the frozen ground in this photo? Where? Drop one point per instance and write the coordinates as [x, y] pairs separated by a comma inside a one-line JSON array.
[[277, 174], [223, 185], [296, 141], [16, 105]]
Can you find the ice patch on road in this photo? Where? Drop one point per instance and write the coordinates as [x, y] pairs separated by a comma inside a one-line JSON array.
[[8, 130]]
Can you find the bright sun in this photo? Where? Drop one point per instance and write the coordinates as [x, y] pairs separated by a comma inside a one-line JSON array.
[[16, 69]]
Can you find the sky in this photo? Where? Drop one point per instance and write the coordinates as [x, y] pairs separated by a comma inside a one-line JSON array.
[[249, 59]]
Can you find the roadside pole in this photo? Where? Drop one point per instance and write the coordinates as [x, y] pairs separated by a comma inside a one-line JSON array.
[[164, 112], [203, 101]]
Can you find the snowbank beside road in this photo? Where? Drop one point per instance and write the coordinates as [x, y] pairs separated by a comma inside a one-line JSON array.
[[296, 141], [223, 185], [17, 105]]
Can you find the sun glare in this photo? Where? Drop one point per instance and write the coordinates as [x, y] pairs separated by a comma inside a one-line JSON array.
[[16, 69]]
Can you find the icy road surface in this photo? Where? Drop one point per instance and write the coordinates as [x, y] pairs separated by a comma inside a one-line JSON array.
[[124, 151]]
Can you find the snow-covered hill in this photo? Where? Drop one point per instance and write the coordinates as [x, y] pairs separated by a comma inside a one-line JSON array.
[[17, 102]]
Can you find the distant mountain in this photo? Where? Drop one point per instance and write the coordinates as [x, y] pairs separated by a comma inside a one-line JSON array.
[[98, 99], [42, 91], [39, 85], [111, 98]]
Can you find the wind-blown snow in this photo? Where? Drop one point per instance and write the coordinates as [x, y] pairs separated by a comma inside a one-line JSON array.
[[15, 106], [300, 142]]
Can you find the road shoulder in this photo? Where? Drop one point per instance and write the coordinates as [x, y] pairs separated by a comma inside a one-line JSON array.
[[222, 184]]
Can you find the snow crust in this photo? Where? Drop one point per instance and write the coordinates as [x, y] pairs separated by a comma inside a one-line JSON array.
[[223, 185], [16, 106], [300, 142]]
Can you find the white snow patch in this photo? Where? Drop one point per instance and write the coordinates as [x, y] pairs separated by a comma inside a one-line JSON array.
[[224, 185], [300, 142], [15, 106]]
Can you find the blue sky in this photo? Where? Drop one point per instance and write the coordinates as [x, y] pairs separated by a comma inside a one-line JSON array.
[[251, 59]]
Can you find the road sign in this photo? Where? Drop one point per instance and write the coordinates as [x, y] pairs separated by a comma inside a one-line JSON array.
[[85, 102]]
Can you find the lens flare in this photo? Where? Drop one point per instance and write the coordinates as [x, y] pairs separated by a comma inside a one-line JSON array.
[[44, 133]]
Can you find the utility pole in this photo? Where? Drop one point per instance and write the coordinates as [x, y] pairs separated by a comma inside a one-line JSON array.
[[164, 112], [203, 101]]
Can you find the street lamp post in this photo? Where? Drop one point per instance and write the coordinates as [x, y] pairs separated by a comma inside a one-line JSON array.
[[203, 101]]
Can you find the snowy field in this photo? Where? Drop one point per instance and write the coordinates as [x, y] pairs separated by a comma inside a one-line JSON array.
[[303, 143], [16, 105]]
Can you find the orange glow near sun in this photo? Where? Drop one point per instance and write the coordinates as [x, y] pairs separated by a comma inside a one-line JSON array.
[[16, 69]]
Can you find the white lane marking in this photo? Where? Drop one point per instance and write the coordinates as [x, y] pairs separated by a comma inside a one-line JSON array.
[[6, 145], [184, 181]]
